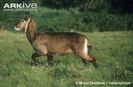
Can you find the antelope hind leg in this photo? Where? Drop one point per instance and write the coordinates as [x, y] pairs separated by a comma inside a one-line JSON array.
[[89, 48]]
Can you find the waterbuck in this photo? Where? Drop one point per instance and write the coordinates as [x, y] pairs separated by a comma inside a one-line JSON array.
[[51, 43]]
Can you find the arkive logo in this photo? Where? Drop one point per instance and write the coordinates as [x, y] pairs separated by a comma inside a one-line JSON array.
[[20, 6]]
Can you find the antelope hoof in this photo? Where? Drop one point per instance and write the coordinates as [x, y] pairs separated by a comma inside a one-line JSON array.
[[51, 64], [95, 65], [34, 64], [47, 64]]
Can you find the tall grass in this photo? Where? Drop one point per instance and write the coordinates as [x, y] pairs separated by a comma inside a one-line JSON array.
[[71, 20]]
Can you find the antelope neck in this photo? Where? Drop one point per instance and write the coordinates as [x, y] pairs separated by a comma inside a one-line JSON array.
[[31, 33]]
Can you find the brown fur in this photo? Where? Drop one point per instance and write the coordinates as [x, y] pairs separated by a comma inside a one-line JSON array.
[[49, 43]]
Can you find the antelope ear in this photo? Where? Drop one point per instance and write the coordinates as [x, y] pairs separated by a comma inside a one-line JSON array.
[[26, 18], [29, 19]]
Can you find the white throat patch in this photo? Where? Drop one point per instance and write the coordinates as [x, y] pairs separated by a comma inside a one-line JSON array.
[[26, 26]]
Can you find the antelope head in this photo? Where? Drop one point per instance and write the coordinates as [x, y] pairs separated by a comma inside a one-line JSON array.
[[22, 25]]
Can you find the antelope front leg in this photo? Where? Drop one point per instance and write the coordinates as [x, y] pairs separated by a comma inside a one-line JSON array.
[[35, 61], [50, 59]]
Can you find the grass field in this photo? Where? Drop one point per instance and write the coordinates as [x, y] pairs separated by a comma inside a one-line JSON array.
[[113, 50]]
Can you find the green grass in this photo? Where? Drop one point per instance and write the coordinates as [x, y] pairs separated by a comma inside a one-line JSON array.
[[113, 50]]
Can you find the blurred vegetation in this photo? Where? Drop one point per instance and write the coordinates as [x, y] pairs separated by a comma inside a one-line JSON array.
[[74, 15]]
